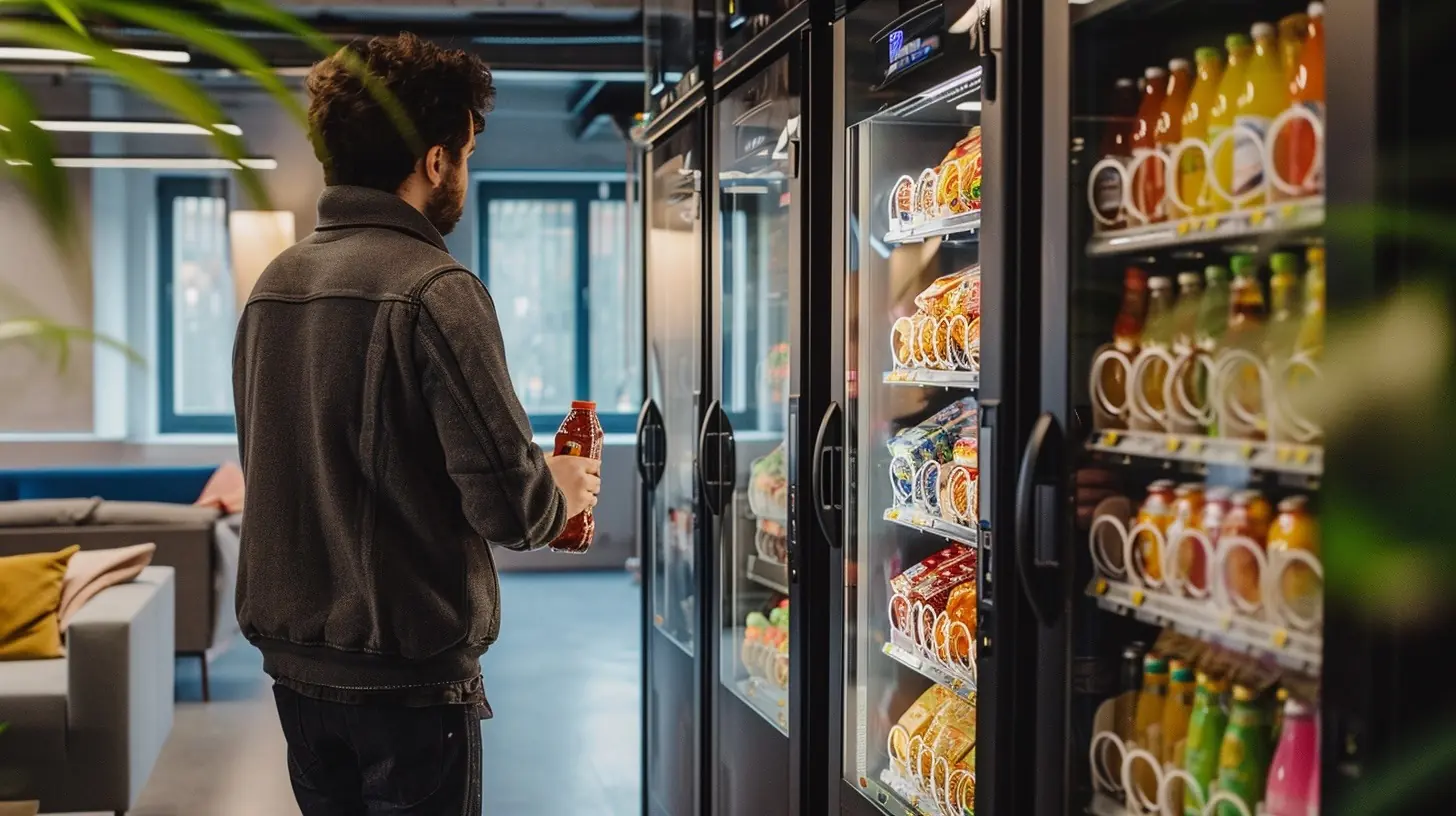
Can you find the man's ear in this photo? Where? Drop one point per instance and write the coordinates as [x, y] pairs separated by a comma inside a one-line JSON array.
[[434, 161]]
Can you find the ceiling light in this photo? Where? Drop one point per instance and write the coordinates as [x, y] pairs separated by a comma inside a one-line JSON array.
[[15, 54], [117, 126], [154, 163], [973, 105]]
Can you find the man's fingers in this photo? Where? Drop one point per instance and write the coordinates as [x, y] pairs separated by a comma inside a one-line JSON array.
[[593, 484], [593, 466]]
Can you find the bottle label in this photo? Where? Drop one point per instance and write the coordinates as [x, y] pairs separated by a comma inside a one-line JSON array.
[[1108, 191], [569, 447], [1249, 135]]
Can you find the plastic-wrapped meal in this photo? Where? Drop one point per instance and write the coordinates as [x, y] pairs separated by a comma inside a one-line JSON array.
[[925, 193], [951, 642], [929, 583], [918, 716], [902, 201]]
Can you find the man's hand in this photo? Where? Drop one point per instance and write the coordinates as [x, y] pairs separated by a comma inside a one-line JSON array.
[[579, 480], [1093, 484]]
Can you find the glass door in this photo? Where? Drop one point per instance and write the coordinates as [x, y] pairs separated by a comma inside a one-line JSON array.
[[666, 446], [914, 503], [755, 274], [1184, 336]]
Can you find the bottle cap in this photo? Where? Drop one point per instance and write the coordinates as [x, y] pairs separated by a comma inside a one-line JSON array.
[[1284, 262], [1212, 682], [1181, 673], [583, 405], [1188, 489], [1161, 484], [1315, 256], [1263, 31], [1316, 9], [1207, 53], [1237, 42], [1154, 72], [1187, 279], [1179, 64], [1153, 664], [1159, 283], [1294, 504], [1215, 273], [1124, 82], [1217, 493], [1242, 264], [1281, 694], [1244, 694]]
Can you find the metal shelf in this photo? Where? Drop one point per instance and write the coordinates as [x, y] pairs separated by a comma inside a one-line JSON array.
[[1301, 651], [926, 523], [1302, 460], [768, 573], [1285, 216], [951, 225], [962, 688], [933, 377], [897, 796]]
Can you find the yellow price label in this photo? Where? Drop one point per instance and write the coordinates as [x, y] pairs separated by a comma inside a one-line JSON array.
[[1138, 597], [1284, 454], [1225, 622], [1303, 455], [1111, 438], [1184, 227], [1256, 218], [1280, 637], [1101, 586], [1287, 211], [1247, 450], [1173, 444], [1211, 224]]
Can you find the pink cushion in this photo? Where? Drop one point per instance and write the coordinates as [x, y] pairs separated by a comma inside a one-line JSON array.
[[224, 490], [91, 571]]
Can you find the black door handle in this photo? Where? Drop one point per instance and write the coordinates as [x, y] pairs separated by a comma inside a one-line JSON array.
[[827, 473], [717, 459], [1036, 489], [651, 445]]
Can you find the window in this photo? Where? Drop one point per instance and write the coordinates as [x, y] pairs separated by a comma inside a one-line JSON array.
[[197, 309], [555, 256]]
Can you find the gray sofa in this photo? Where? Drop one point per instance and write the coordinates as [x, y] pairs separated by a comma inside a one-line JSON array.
[[86, 729], [189, 539]]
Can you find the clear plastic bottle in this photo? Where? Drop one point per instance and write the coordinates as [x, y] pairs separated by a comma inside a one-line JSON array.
[[580, 434]]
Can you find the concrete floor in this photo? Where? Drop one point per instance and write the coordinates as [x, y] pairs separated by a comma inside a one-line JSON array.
[[564, 681]]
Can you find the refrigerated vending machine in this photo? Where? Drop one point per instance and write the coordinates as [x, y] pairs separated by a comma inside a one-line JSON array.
[[934, 407], [1212, 189]]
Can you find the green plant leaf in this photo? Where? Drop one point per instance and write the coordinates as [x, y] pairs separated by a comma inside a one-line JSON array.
[[172, 91], [261, 11], [67, 15], [58, 337], [40, 179], [197, 32]]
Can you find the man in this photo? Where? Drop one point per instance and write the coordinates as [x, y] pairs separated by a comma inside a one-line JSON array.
[[385, 452]]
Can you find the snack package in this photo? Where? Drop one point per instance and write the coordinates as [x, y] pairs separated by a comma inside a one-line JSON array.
[[951, 643], [902, 202], [951, 734], [918, 716], [925, 187], [956, 293], [930, 583], [934, 439]]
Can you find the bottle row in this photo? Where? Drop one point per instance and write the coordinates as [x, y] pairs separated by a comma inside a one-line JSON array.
[[1215, 358], [1184, 742], [1236, 129]]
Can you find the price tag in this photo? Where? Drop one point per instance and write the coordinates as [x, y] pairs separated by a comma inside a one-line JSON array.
[[1280, 637], [1225, 622], [1184, 227], [1211, 224], [1173, 444], [1100, 587], [1284, 455], [1138, 597], [1287, 211], [1256, 218], [1196, 445], [1246, 450], [1111, 438], [1303, 455]]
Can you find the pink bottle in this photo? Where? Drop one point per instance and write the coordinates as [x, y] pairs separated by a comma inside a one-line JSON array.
[[1294, 774]]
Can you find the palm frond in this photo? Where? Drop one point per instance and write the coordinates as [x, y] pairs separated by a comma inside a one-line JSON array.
[[58, 338], [25, 156]]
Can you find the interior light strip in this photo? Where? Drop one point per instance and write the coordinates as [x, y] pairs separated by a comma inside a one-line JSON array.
[[118, 126], [17, 54], [153, 163]]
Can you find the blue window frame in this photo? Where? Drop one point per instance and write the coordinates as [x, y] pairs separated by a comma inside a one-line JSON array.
[[555, 257], [196, 307]]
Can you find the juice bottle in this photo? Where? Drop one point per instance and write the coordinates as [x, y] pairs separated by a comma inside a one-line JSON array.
[[1295, 528], [1248, 516], [1214, 308], [1205, 735], [1151, 701], [580, 434], [1176, 711], [1243, 757], [1169, 130], [1296, 152], [1292, 32], [1187, 515], [1156, 512], [1283, 322], [1149, 188], [1216, 503], [1125, 711], [1311, 338], [1246, 318], [1108, 183], [1185, 310], [1265, 96], [1127, 330], [1158, 331], [1221, 115], [1191, 171]]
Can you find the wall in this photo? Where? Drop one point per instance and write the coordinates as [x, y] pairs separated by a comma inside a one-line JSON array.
[[107, 410]]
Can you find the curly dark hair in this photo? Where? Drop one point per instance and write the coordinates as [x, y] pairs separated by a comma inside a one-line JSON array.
[[353, 136]]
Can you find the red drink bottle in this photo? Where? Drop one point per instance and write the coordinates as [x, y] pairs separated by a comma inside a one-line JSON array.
[[580, 434]]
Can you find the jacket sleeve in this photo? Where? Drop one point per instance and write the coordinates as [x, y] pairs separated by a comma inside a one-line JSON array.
[[506, 490]]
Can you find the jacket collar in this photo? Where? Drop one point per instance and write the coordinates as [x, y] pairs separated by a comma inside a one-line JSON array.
[[343, 206]]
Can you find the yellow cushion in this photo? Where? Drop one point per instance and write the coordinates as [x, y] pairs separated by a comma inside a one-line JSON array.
[[30, 599]]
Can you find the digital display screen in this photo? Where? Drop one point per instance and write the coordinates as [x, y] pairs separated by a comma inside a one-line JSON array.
[[910, 42], [909, 53]]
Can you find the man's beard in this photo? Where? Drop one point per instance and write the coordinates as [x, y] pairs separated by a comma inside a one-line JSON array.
[[446, 204]]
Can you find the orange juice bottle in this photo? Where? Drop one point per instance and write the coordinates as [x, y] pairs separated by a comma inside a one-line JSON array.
[[1311, 338], [1265, 95], [1292, 31], [1148, 182], [1169, 130], [1191, 172], [1221, 115], [1297, 154]]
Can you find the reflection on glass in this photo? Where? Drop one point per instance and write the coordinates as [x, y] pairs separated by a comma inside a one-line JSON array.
[[615, 312], [674, 263], [203, 305], [756, 265], [532, 263]]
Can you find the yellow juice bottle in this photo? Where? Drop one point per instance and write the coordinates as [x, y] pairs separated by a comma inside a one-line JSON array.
[[1221, 116], [1191, 171], [1265, 95]]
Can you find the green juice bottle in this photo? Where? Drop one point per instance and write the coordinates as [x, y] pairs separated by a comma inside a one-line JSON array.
[[1205, 735], [1244, 756]]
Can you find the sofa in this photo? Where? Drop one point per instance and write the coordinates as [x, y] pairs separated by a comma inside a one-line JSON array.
[[197, 542], [85, 730]]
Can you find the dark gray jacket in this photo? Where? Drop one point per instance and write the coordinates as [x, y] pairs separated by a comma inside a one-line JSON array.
[[384, 450]]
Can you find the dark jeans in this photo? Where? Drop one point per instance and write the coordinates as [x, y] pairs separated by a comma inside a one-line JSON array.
[[381, 760]]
